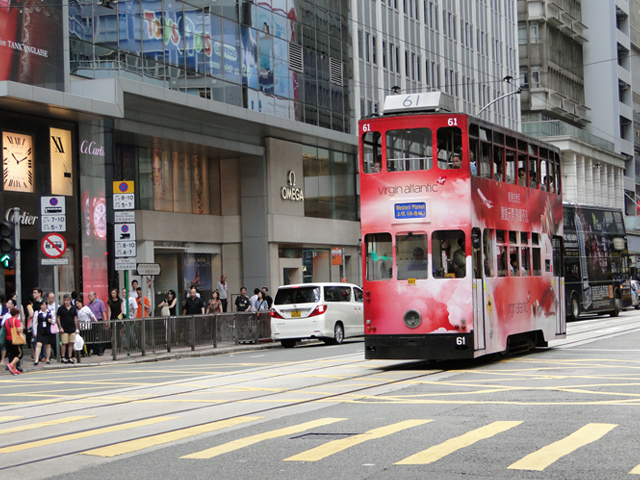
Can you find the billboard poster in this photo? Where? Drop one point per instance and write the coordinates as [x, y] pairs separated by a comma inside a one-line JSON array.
[[197, 272], [31, 46]]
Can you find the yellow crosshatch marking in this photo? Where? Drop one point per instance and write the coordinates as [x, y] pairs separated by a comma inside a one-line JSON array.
[[24, 428]]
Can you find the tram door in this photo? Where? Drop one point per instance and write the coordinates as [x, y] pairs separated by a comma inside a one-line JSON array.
[[558, 285], [478, 291]]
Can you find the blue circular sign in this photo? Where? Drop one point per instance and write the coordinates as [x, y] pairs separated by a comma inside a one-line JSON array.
[[53, 201], [125, 228], [123, 187]]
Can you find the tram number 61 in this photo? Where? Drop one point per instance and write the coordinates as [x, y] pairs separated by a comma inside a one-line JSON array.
[[461, 341], [366, 127]]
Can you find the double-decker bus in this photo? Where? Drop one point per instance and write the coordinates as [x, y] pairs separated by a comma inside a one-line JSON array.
[[462, 234], [595, 260]]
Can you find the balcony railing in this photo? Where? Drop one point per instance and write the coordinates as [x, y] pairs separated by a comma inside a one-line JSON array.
[[556, 128]]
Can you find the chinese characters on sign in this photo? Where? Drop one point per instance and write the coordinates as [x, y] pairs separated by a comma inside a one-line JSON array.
[[410, 210], [514, 214]]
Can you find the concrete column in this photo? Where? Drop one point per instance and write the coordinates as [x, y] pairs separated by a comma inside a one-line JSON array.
[[570, 175], [588, 182], [580, 195]]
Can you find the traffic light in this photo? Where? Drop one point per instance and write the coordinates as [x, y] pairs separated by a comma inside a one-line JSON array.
[[7, 244]]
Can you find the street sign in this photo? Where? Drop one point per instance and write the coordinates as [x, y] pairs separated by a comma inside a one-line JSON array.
[[53, 223], [124, 232], [124, 201], [125, 264], [53, 261], [126, 249], [123, 186], [124, 217], [52, 206], [149, 269], [53, 245]]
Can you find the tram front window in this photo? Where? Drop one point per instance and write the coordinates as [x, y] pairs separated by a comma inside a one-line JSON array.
[[411, 256], [448, 254], [409, 150], [379, 260]]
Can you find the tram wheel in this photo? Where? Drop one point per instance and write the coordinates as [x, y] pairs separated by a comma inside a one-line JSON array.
[[575, 308]]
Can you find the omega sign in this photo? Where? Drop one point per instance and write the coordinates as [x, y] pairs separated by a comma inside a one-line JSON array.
[[290, 192], [90, 148]]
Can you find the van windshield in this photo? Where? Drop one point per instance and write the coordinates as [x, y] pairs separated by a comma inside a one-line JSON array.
[[287, 296]]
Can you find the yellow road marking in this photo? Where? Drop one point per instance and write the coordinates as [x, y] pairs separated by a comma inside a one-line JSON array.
[[142, 443], [547, 455], [336, 446], [24, 428], [8, 419], [90, 433], [245, 442], [436, 452]]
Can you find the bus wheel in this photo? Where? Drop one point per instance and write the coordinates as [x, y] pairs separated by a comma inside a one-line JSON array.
[[617, 306], [575, 308]]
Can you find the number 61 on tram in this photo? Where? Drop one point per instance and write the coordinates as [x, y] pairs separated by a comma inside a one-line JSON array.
[[462, 234]]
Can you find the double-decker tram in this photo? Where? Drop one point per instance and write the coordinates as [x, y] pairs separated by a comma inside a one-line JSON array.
[[462, 234]]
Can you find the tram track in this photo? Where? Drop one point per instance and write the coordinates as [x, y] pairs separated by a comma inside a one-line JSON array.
[[259, 411]]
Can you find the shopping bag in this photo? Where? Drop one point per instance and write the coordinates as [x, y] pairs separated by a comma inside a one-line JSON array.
[[17, 338], [79, 343]]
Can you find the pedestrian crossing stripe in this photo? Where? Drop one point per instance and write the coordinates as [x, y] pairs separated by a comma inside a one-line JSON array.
[[547, 455], [328, 449], [439, 451], [247, 441], [90, 433], [146, 442], [24, 428]]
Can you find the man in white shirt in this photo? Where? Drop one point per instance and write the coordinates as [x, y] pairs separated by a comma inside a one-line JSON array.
[[133, 304], [223, 292]]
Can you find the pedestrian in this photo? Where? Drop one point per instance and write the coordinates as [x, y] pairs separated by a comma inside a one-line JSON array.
[[99, 312], [133, 304], [170, 302], [265, 294], [33, 308], [67, 318], [14, 352], [254, 299], [13, 303], [223, 291], [261, 303], [85, 318], [242, 303], [193, 305], [3, 350], [215, 305], [115, 305], [53, 309], [44, 320], [142, 312]]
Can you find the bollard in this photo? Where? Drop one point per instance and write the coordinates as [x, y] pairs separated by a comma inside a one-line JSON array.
[[114, 340], [215, 331], [153, 336], [192, 326], [143, 336], [167, 324]]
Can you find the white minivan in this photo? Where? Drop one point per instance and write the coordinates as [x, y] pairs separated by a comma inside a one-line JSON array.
[[327, 311]]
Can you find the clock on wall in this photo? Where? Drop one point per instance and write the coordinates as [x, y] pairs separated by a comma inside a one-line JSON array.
[[100, 217], [17, 162], [61, 162]]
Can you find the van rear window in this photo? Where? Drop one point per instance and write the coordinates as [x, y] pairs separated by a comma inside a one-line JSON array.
[[287, 296]]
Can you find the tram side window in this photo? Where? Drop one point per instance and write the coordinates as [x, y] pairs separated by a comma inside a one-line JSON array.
[[526, 262], [487, 246], [556, 161], [476, 252], [537, 268], [510, 160], [485, 160], [448, 254], [498, 160], [379, 260], [522, 169], [449, 146], [372, 152], [409, 150], [533, 172], [502, 255], [473, 154], [411, 256]]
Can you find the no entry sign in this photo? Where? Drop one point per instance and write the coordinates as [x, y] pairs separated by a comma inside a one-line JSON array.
[[54, 245]]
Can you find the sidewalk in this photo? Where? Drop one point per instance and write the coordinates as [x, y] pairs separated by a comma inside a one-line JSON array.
[[107, 358]]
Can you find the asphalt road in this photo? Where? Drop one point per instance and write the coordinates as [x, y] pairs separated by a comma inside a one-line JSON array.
[[566, 412]]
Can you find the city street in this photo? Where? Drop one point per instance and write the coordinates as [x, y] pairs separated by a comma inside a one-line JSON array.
[[570, 411]]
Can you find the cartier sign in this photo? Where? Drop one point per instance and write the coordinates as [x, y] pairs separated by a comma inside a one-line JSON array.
[[25, 218], [90, 148], [291, 192]]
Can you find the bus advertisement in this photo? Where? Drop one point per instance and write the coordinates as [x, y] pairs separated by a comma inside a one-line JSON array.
[[462, 234]]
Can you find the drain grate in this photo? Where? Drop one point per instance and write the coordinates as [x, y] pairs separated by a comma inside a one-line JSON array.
[[323, 435]]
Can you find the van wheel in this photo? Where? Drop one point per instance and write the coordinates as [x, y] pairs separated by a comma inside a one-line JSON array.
[[338, 333], [288, 343]]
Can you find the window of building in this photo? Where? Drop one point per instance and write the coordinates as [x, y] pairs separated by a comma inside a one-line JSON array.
[[384, 54], [373, 50], [534, 33]]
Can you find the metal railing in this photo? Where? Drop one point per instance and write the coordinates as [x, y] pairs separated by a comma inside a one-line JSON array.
[[163, 334]]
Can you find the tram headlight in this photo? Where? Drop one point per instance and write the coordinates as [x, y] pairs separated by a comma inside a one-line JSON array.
[[412, 318]]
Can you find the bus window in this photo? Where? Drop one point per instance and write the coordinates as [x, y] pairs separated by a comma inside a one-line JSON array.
[[522, 170], [379, 262], [536, 262], [372, 152], [526, 262], [498, 159], [411, 256], [476, 252], [449, 144], [485, 160], [511, 166], [514, 261], [409, 150], [448, 254], [487, 246]]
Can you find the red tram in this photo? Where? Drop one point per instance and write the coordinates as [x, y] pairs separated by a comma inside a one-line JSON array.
[[462, 234]]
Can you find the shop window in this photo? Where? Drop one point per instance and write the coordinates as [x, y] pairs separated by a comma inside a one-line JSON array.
[[411, 256], [378, 260], [448, 254]]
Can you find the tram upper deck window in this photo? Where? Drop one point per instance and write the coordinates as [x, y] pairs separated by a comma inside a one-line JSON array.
[[448, 254], [379, 260], [372, 152], [409, 150], [411, 256], [450, 148]]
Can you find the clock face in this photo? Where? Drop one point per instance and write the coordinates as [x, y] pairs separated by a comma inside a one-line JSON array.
[[17, 161], [100, 218], [61, 162]]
